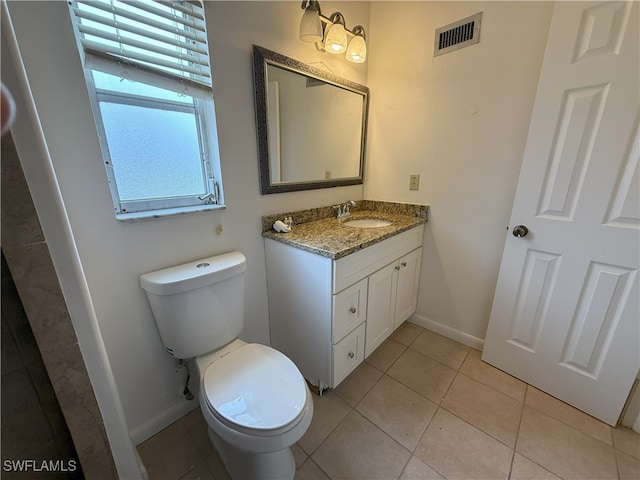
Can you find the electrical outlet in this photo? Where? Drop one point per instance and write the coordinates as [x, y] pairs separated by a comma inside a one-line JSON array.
[[414, 182], [327, 174]]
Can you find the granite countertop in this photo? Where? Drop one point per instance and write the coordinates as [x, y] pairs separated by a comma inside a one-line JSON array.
[[329, 237]]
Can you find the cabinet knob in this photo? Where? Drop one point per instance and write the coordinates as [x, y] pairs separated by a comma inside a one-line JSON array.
[[397, 267], [353, 310], [404, 264], [351, 355]]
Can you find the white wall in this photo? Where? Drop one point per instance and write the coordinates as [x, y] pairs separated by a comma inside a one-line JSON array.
[[115, 254], [460, 121]]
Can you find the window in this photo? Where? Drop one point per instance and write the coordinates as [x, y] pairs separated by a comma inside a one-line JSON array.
[[148, 75]]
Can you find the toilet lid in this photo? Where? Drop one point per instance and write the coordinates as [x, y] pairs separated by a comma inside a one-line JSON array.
[[255, 387]]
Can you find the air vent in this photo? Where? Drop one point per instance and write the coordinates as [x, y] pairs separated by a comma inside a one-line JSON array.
[[457, 35]]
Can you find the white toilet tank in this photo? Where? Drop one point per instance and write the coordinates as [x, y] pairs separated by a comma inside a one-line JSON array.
[[198, 306]]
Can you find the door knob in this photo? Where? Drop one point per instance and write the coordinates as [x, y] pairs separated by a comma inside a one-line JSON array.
[[520, 231]]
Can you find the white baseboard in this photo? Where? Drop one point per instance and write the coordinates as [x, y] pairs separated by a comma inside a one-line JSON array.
[[452, 333], [159, 422]]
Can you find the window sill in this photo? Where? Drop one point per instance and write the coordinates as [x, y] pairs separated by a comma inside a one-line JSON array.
[[136, 217]]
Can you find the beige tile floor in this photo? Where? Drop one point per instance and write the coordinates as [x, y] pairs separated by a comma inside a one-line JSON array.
[[425, 407]]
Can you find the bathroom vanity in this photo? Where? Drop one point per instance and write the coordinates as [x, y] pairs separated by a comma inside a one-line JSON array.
[[337, 292]]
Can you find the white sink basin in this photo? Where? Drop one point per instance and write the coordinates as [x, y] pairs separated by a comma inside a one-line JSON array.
[[367, 223]]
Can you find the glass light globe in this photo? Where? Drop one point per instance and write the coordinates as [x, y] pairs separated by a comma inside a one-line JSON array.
[[336, 39], [310, 26], [357, 50]]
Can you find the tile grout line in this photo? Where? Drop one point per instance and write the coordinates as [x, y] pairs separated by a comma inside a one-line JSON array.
[[391, 438], [450, 384], [408, 386], [481, 380], [615, 458], [406, 347], [406, 464], [515, 445], [192, 436], [523, 405], [353, 409], [542, 412], [370, 388], [438, 407], [385, 374], [565, 425], [615, 450], [332, 430], [309, 459], [421, 437]]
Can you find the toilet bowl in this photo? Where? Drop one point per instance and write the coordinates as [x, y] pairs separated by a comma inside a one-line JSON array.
[[253, 398], [256, 404]]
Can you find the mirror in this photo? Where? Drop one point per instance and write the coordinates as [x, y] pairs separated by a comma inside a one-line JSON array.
[[311, 125]]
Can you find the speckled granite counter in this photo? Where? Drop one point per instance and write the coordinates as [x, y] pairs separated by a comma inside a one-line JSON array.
[[319, 231]]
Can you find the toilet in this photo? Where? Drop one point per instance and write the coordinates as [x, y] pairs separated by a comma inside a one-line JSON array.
[[253, 398]]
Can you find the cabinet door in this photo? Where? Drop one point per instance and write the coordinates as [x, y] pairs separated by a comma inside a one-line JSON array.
[[380, 307], [407, 286]]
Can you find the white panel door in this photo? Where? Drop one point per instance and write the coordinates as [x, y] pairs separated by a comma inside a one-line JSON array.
[[565, 315]]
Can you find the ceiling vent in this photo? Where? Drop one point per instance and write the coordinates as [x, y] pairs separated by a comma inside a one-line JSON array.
[[458, 35]]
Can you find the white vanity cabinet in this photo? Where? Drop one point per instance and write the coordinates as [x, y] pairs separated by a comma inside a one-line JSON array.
[[328, 315]]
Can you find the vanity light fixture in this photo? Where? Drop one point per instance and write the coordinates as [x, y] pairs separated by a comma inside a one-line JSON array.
[[334, 37]]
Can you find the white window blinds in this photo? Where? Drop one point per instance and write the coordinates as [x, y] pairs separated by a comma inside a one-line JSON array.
[[163, 43]]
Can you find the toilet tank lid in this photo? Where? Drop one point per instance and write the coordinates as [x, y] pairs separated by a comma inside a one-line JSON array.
[[193, 275]]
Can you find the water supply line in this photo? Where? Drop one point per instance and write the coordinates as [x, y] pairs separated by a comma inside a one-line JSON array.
[[186, 392]]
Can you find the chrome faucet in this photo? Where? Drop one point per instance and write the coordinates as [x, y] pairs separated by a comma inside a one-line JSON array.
[[343, 210]]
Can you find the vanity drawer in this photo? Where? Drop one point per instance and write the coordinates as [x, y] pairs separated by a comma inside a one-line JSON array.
[[349, 309], [348, 354]]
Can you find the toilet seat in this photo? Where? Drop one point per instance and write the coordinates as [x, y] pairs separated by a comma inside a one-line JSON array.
[[256, 390]]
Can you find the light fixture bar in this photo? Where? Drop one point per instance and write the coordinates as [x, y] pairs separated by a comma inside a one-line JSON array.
[[350, 33]]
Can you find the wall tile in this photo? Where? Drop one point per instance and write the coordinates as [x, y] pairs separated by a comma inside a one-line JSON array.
[[41, 296], [28, 258], [23, 422], [18, 213]]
